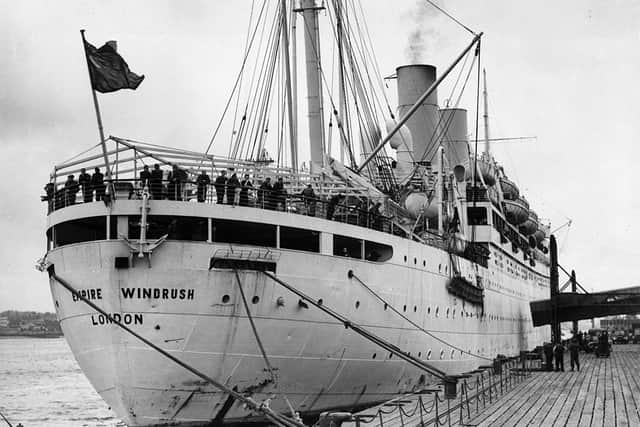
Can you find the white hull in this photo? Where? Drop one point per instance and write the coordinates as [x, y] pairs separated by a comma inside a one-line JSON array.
[[321, 365]]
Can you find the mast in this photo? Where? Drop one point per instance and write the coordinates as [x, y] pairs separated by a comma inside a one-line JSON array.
[[294, 75], [287, 67], [342, 123], [309, 9], [485, 116]]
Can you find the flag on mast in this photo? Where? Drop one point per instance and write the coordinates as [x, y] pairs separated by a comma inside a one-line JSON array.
[[109, 72]]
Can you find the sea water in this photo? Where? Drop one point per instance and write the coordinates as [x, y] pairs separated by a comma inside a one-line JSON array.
[[41, 384]]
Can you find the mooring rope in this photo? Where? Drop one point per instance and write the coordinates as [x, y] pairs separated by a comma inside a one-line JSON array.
[[278, 419], [5, 419], [375, 294], [274, 376], [432, 370]]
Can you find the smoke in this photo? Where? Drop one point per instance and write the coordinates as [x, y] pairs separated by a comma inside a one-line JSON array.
[[424, 34]]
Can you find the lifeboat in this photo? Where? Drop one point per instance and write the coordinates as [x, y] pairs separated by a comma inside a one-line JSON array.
[[418, 204], [516, 211], [510, 190], [542, 233], [485, 167], [530, 226]]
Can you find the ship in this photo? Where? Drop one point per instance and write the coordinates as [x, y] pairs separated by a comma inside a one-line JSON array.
[[356, 277]]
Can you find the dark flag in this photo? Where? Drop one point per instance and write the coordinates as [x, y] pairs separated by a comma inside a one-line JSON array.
[[109, 72]]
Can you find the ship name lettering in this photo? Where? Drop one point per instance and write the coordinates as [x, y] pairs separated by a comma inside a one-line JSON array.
[[91, 294], [158, 293], [126, 318]]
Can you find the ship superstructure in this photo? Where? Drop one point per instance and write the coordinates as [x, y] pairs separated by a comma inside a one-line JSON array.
[[430, 230]]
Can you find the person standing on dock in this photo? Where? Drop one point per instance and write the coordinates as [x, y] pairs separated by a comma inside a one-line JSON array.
[[574, 352], [548, 356], [558, 353]]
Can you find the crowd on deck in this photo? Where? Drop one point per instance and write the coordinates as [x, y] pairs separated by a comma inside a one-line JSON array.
[[228, 190]]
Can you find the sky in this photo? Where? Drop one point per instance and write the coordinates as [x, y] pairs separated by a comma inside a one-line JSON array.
[[565, 72]]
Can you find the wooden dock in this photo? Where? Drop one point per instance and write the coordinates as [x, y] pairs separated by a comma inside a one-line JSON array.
[[605, 392]]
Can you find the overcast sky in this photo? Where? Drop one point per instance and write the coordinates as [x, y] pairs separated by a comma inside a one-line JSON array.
[[566, 72]]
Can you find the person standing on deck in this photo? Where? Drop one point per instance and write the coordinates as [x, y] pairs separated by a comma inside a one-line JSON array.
[[233, 190], [574, 352], [145, 178], [202, 182], [264, 194], [71, 187], [558, 353], [156, 182], [97, 183], [244, 192], [220, 186], [280, 195], [309, 197], [85, 182], [333, 203]]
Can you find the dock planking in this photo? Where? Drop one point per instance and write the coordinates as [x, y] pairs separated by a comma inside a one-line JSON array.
[[606, 392]]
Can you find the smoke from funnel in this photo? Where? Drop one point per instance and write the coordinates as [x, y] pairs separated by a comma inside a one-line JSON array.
[[424, 34]]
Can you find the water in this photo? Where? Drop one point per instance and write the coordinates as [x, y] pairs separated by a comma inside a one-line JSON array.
[[42, 385]]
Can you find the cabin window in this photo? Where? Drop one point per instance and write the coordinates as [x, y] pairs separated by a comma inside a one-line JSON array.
[[244, 233], [113, 225], [80, 230], [477, 215], [299, 239], [377, 252], [175, 227], [50, 239], [347, 246]]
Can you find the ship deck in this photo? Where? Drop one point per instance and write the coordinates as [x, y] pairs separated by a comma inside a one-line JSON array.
[[605, 392]]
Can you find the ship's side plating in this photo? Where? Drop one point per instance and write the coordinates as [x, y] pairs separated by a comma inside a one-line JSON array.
[[185, 303]]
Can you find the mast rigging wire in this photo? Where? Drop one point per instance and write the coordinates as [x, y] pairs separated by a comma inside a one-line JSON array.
[[451, 17]]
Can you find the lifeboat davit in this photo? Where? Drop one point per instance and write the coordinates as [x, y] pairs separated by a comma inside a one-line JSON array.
[[530, 226], [516, 211], [510, 190]]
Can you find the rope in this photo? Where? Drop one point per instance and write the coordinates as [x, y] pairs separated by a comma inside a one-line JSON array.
[[274, 377], [348, 324], [275, 417], [352, 274], [5, 419], [451, 17]]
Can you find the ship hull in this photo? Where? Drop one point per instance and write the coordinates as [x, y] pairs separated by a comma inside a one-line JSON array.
[[197, 314]]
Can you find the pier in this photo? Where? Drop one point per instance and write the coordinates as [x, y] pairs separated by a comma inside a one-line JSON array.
[[605, 392]]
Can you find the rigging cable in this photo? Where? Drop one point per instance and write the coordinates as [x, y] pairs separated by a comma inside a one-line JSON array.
[[244, 61], [275, 417], [451, 17], [386, 304], [5, 419]]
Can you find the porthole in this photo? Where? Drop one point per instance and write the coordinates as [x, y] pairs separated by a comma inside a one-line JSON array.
[[441, 354], [429, 355], [374, 356], [447, 312], [424, 263], [320, 301], [453, 353], [453, 314], [439, 268], [405, 258], [357, 304], [446, 269], [415, 308], [390, 355], [255, 299], [415, 261], [428, 310], [404, 308], [419, 354], [437, 311], [225, 299], [386, 306]]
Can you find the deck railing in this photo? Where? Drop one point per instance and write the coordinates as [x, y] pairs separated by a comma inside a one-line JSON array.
[[351, 209]]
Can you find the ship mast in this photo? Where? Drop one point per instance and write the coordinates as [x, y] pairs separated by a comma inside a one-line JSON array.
[[309, 10], [485, 116], [287, 67]]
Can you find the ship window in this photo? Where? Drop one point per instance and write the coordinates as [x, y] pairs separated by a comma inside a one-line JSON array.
[[50, 239], [377, 252], [175, 227], [347, 246], [477, 215], [244, 233], [299, 239], [80, 230]]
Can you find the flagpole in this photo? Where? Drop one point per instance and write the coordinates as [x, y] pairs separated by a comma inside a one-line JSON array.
[[98, 117]]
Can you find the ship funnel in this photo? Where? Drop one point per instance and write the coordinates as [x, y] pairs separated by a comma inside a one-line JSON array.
[[454, 122], [413, 81]]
